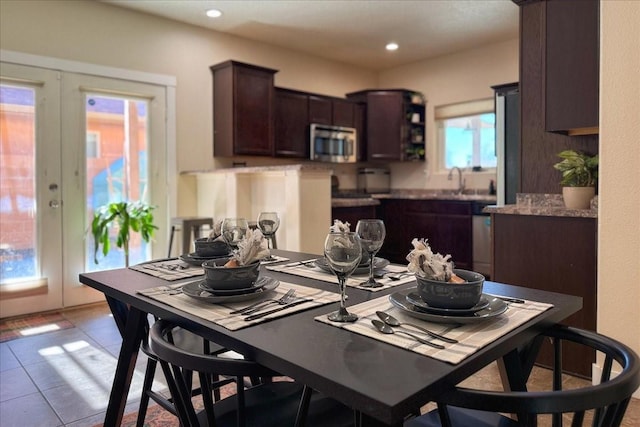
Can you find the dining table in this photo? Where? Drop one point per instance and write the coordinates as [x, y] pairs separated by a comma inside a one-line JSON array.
[[382, 382]]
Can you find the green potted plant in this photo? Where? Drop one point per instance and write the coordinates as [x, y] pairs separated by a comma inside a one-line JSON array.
[[579, 178], [127, 217]]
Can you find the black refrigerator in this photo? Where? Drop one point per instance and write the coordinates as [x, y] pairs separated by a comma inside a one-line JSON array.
[[507, 105]]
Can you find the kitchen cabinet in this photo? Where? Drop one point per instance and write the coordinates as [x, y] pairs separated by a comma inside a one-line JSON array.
[[557, 254], [572, 66], [243, 109], [353, 214], [539, 148], [395, 124], [326, 110], [291, 124], [446, 224]]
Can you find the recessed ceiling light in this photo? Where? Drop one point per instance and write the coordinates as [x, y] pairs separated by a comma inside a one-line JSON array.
[[214, 13], [391, 46]]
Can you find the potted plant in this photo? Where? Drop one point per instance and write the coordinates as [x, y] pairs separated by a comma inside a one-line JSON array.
[[127, 217], [579, 177]]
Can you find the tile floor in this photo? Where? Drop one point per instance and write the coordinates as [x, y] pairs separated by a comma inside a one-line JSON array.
[[63, 378]]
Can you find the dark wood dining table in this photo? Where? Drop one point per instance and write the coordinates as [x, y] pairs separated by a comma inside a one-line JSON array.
[[381, 382]]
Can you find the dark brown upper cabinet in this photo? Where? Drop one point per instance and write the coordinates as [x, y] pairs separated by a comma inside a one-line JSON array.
[[572, 66], [326, 110], [395, 124], [291, 124], [320, 110], [243, 109]]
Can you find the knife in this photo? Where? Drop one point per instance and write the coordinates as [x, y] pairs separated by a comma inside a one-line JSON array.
[[509, 299], [275, 310]]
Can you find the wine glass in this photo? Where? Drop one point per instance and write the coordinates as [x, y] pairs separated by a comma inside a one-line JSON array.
[[233, 231], [343, 253], [371, 233], [268, 223]]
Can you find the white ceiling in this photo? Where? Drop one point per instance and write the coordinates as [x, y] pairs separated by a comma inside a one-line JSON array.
[[351, 31]]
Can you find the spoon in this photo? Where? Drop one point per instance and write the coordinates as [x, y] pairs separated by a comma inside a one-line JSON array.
[[386, 329], [392, 321]]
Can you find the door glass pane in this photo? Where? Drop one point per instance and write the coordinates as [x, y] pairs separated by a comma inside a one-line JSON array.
[[116, 156], [18, 256]]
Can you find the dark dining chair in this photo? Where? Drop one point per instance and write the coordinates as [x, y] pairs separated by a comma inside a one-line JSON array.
[[604, 403], [272, 403], [188, 341]]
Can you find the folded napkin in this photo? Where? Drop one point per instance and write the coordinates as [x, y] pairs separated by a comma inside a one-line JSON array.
[[308, 269], [221, 313], [169, 269], [471, 337]]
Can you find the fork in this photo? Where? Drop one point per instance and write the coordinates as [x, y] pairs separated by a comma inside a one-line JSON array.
[[399, 275], [286, 298]]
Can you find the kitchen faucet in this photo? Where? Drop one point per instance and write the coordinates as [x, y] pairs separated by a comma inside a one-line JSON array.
[[461, 182]]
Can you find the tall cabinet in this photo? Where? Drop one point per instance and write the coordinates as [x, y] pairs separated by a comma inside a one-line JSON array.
[[243, 109]]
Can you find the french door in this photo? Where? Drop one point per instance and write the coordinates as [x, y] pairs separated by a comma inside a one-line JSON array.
[[71, 143]]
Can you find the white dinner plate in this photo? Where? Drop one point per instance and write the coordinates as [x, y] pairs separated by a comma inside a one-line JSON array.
[[194, 290], [495, 308]]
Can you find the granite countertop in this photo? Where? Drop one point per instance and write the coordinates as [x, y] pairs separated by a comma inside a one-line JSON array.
[[271, 168], [374, 199], [543, 205]]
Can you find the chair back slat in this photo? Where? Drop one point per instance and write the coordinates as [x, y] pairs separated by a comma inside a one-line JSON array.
[[605, 403]]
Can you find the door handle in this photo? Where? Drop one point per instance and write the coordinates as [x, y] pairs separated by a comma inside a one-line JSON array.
[[55, 204]]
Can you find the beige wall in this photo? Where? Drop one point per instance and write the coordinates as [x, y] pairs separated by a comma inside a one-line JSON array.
[[619, 200]]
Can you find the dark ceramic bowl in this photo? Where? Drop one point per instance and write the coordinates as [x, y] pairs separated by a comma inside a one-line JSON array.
[[452, 295], [216, 276], [210, 248]]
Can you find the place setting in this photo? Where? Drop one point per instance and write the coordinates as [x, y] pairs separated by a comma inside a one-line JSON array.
[[370, 272], [233, 293], [446, 316]]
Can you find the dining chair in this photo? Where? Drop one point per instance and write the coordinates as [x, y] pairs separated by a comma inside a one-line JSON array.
[[185, 340], [604, 403], [270, 403]]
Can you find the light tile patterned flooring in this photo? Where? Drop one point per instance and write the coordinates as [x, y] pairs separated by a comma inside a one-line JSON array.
[[63, 378]]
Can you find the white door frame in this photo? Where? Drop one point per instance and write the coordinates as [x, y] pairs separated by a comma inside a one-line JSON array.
[[164, 198]]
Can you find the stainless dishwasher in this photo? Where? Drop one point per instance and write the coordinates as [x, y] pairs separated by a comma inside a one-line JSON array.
[[481, 226]]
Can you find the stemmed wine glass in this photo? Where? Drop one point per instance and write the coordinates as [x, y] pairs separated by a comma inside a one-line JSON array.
[[233, 231], [268, 223], [371, 233], [343, 253]]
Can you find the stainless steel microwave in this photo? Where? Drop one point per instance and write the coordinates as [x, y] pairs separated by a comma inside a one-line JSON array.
[[334, 144]]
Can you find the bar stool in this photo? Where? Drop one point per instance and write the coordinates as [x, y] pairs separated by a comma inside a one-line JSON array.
[[190, 227]]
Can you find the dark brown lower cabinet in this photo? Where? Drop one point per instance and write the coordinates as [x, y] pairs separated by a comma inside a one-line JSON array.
[[353, 214], [447, 226], [555, 254]]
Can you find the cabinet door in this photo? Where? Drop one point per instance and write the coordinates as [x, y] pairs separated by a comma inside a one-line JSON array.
[[291, 124], [253, 112], [320, 110], [396, 244], [242, 109], [384, 125], [343, 113], [572, 66], [353, 214]]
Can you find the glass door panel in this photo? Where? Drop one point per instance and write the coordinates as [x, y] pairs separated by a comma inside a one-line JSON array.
[[116, 167], [30, 206]]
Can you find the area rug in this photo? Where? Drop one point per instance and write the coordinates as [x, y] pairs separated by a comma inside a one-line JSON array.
[[36, 324]]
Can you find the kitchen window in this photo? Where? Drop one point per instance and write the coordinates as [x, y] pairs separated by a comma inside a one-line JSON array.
[[466, 135]]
